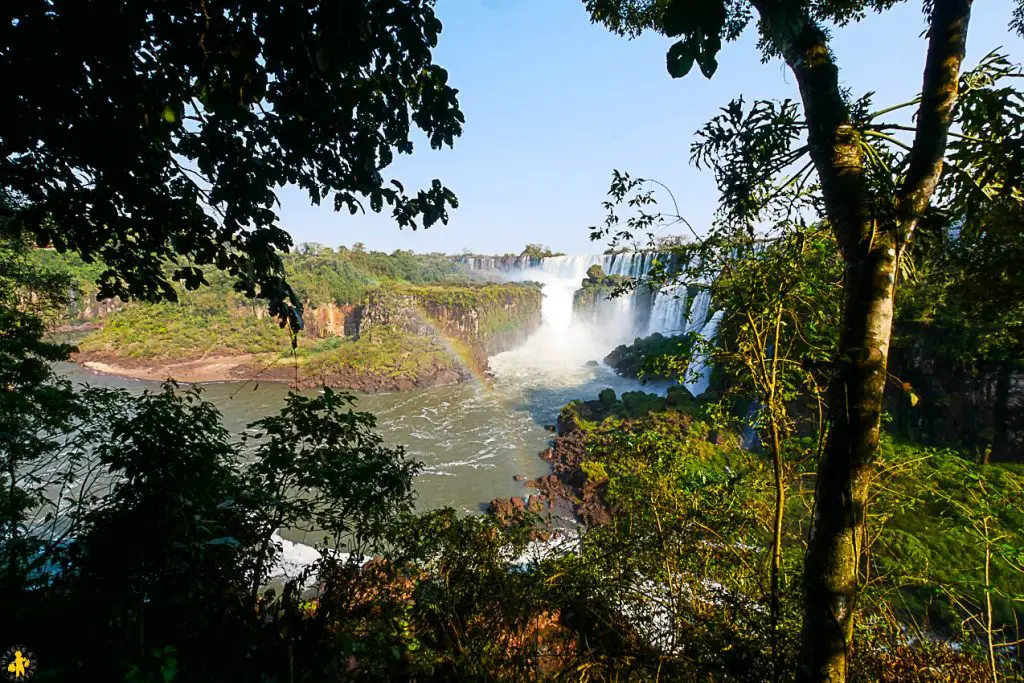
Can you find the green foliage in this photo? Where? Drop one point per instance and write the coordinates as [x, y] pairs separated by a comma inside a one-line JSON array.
[[475, 616], [703, 26], [495, 308], [344, 277], [203, 324], [938, 514], [596, 289], [655, 357], [47, 428], [632, 405], [681, 563], [167, 571], [320, 465], [536, 252], [215, 108], [677, 569], [596, 279], [385, 351]]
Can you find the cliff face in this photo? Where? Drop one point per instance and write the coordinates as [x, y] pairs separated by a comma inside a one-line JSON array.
[[488, 319], [332, 320], [84, 312], [401, 337]]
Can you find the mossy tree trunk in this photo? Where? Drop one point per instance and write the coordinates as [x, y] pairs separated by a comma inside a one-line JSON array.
[[871, 231]]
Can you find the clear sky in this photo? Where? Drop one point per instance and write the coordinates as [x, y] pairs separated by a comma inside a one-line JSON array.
[[553, 103]]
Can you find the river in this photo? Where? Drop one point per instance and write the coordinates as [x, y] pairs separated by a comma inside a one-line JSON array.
[[472, 438]]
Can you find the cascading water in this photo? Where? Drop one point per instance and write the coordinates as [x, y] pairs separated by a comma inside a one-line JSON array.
[[565, 341], [698, 375], [698, 312], [668, 316]]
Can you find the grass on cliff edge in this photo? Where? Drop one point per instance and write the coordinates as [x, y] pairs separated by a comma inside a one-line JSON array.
[[204, 323], [497, 304], [223, 323], [384, 351], [207, 324]]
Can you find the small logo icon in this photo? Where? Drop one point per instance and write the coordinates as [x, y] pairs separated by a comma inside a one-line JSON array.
[[20, 664]]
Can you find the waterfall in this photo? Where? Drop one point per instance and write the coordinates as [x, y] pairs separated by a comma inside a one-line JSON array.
[[563, 339], [699, 312], [668, 315], [698, 375], [562, 276]]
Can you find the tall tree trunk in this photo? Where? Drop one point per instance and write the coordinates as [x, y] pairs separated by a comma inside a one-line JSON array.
[[855, 404], [870, 250]]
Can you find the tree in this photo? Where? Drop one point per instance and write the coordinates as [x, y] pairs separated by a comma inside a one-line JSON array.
[[145, 133], [960, 335], [873, 223], [47, 427], [780, 311], [779, 300], [172, 561]]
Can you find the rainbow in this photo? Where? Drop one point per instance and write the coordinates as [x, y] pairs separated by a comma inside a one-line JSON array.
[[458, 350]]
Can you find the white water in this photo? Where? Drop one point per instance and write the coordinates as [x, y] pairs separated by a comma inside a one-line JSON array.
[[552, 368], [669, 311], [698, 375], [565, 342]]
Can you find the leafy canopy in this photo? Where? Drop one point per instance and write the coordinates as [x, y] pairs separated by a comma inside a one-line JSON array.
[[142, 132]]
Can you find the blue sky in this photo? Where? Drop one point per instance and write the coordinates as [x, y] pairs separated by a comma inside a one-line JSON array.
[[553, 103]]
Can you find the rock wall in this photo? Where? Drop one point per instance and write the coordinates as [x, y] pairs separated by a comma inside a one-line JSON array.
[[332, 320], [487, 318], [85, 312], [593, 302]]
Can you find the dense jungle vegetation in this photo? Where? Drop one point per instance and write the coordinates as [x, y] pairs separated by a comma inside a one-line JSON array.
[[844, 505]]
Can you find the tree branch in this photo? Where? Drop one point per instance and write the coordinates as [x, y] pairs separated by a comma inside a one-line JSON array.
[[832, 139], [947, 42]]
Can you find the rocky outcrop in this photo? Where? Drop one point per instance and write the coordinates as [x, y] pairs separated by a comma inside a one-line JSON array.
[[85, 312], [332, 320], [633, 360], [89, 308], [577, 485], [593, 301]]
